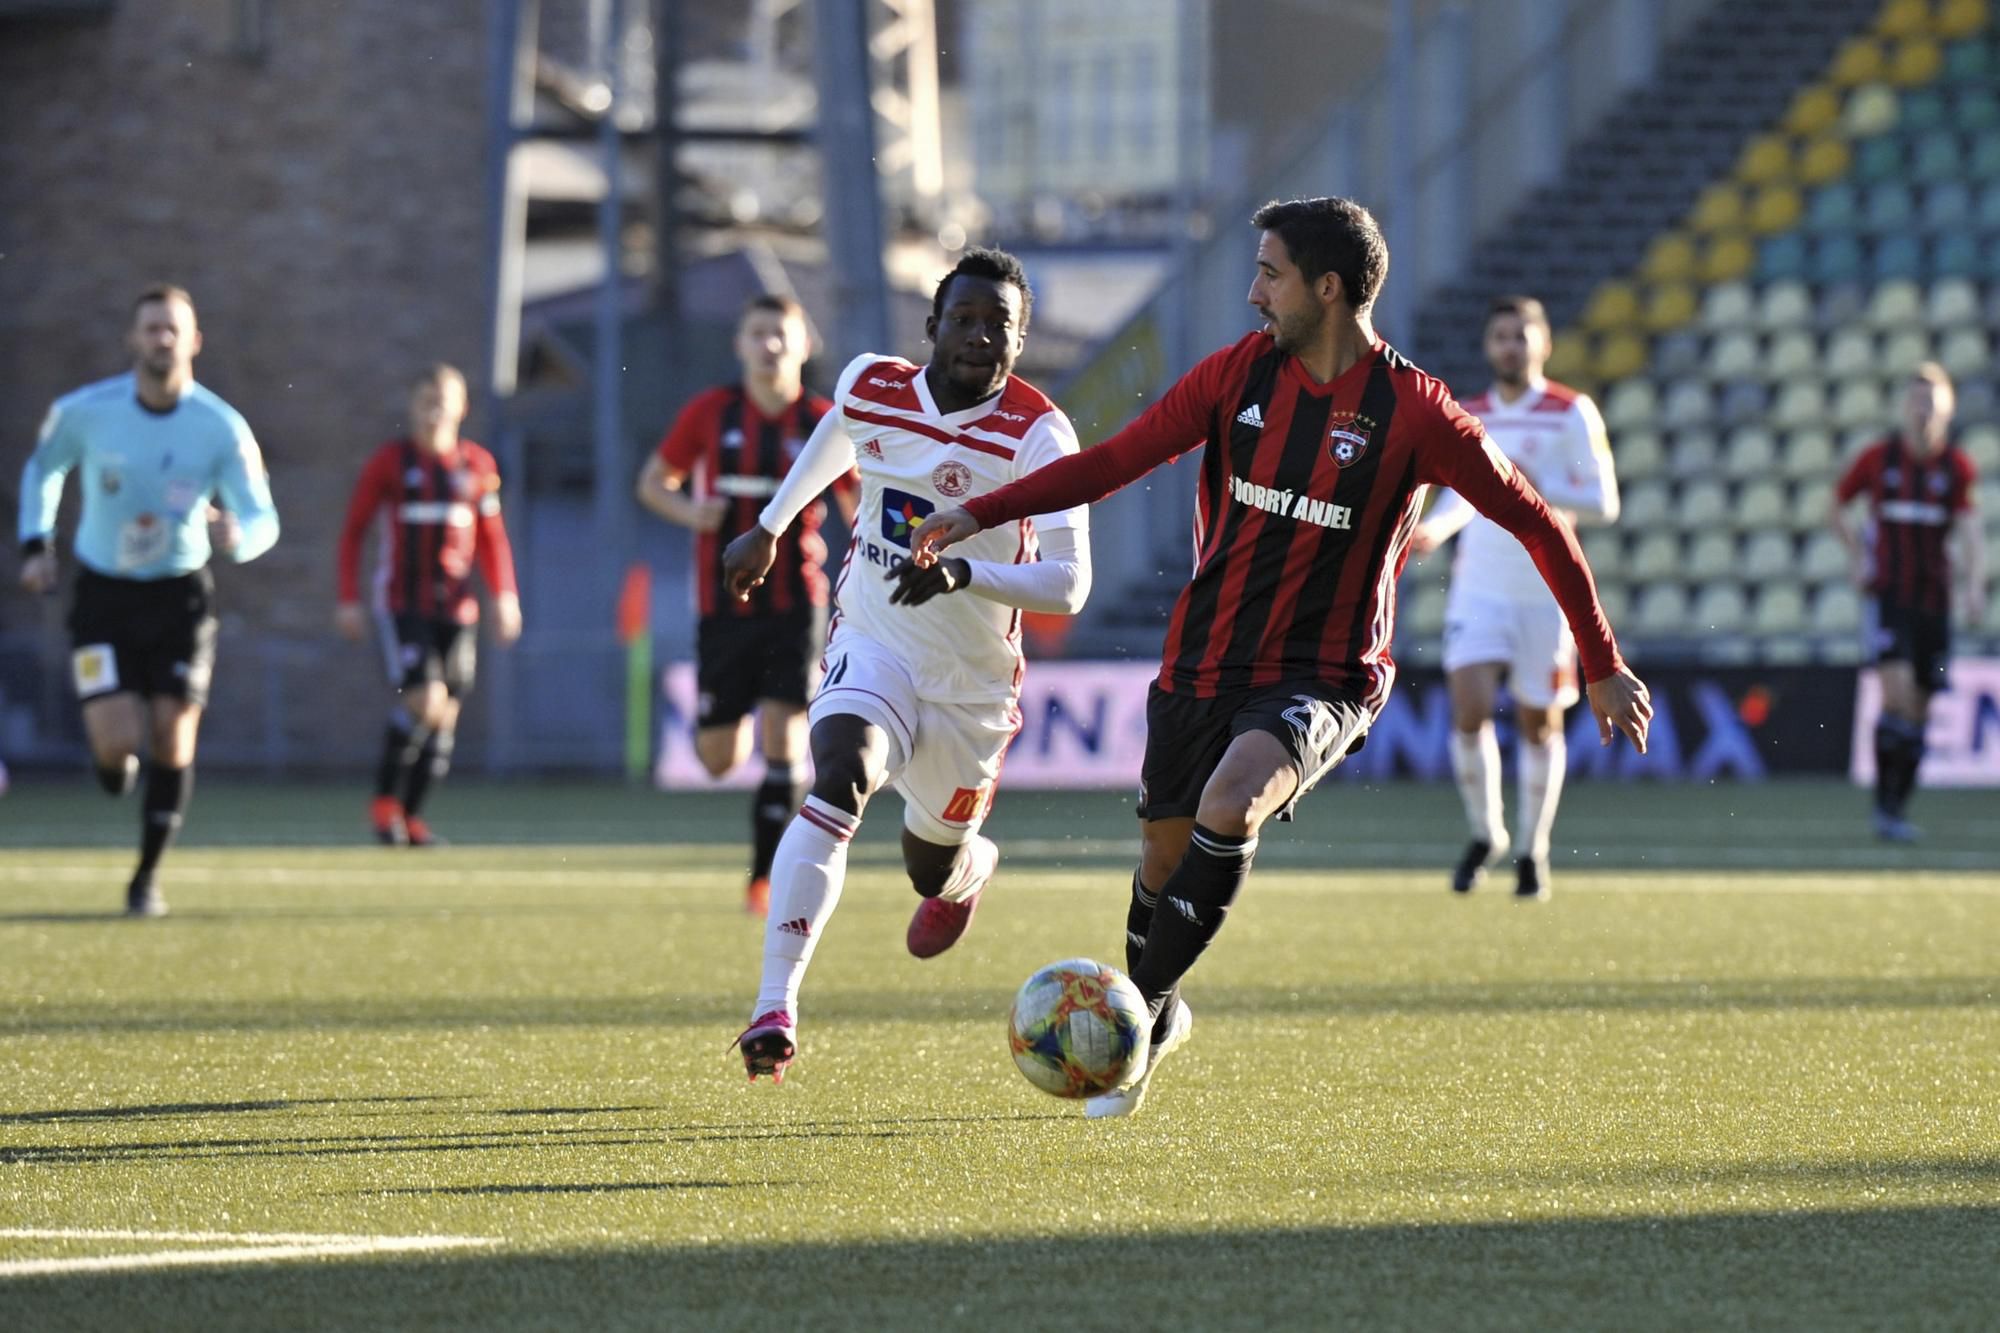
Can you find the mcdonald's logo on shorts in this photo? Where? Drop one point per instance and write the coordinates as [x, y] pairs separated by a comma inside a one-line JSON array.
[[964, 805]]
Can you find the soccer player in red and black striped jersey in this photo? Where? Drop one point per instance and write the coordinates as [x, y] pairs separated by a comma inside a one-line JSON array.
[[1918, 487], [1320, 442], [721, 461], [436, 501]]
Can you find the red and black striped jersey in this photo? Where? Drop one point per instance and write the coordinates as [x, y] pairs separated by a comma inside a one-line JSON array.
[[1912, 500], [440, 515], [730, 450], [1308, 496]]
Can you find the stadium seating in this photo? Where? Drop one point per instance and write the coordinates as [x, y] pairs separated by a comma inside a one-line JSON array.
[[1762, 338]]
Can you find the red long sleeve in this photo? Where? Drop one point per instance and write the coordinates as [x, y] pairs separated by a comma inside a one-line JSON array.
[[494, 552], [371, 492]]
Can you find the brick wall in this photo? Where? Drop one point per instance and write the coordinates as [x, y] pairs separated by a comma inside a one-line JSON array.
[[323, 199]]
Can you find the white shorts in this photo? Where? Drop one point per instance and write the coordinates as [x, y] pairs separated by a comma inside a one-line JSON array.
[[1528, 637], [944, 757]]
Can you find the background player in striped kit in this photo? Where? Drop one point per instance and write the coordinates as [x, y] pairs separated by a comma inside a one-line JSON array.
[[436, 500], [1319, 441], [1919, 489], [723, 458], [155, 448], [1500, 621]]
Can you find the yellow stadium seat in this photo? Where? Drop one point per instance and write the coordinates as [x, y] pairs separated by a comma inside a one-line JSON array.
[[1570, 357], [1904, 18], [1824, 159], [1961, 18], [1765, 159], [1871, 110], [1728, 257], [1620, 356], [1915, 62], [1670, 258], [1614, 305], [1815, 110], [1860, 60], [1669, 306], [1720, 208]]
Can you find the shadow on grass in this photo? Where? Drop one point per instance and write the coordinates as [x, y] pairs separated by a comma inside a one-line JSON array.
[[182, 1110], [586, 1187], [1302, 1003], [1907, 1267]]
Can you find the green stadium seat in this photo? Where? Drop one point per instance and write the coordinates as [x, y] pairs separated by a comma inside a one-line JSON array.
[[1712, 556], [1835, 207], [1921, 109], [1946, 204], [1968, 62], [1850, 352], [1617, 602], [1703, 503], [1879, 160], [1726, 306], [1900, 255], [1637, 454], [1760, 505], [1896, 305], [1800, 403], [1646, 505], [1966, 353], [1631, 403], [1695, 453], [1781, 609], [1937, 158], [1687, 403], [1752, 451], [1783, 306], [1859, 404], [1782, 257], [1976, 402], [1603, 549], [1824, 560], [1982, 443], [1976, 109], [1958, 256], [1986, 211], [1903, 351], [1952, 303], [1662, 610], [1836, 609], [1768, 554], [1983, 163], [1720, 608], [1734, 356], [1656, 556], [1837, 258], [1889, 206], [1808, 453], [1808, 508], [1790, 354]]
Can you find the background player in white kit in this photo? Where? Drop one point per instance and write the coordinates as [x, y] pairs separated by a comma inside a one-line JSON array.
[[1500, 620], [922, 682]]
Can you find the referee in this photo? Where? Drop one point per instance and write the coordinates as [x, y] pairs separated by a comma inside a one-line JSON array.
[[156, 451]]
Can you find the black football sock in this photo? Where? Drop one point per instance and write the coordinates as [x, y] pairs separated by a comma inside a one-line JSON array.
[[167, 793], [1193, 903], [399, 755], [1138, 922], [1885, 763], [1908, 761], [777, 800], [1899, 750], [433, 762], [119, 779]]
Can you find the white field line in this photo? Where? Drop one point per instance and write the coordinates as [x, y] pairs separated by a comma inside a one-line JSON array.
[[271, 1246]]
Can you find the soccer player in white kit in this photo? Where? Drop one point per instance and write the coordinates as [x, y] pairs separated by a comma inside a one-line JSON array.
[[1500, 620], [923, 666]]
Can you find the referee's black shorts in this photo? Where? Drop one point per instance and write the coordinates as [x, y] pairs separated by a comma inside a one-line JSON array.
[[152, 637]]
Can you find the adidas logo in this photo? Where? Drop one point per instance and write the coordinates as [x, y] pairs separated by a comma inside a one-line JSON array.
[[799, 926], [1135, 939], [1185, 908], [1252, 415]]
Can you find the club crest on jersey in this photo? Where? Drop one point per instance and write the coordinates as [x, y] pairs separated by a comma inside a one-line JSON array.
[[1348, 435], [952, 479], [901, 513]]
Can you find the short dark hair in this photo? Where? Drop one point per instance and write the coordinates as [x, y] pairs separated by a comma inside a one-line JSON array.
[[164, 291], [439, 372], [1330, 235], [1524, 308], [998, 265], [776, 303]]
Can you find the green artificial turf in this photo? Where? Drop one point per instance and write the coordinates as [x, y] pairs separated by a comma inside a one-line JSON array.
[[1758, 1094]]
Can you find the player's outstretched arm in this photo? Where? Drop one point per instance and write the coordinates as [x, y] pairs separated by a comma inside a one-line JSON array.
[[947, 527], [1622, 703]]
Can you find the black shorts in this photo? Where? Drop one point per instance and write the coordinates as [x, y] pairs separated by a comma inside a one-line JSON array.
[[420, 649], [1186, 738], [1898, 633], [154, 637], [742, 662]]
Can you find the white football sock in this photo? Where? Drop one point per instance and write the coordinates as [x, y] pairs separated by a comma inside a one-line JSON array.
[[1475, 762], [806, 876], [974, 869], [1541, 784]]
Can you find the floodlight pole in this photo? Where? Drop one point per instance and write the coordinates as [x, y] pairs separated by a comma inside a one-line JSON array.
[[846, 132]]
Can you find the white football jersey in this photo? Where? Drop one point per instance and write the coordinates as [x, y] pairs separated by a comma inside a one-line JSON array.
[[914, 461], [1556, 437]]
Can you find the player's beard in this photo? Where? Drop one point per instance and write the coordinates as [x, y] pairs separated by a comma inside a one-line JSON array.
[[1294, 333]]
